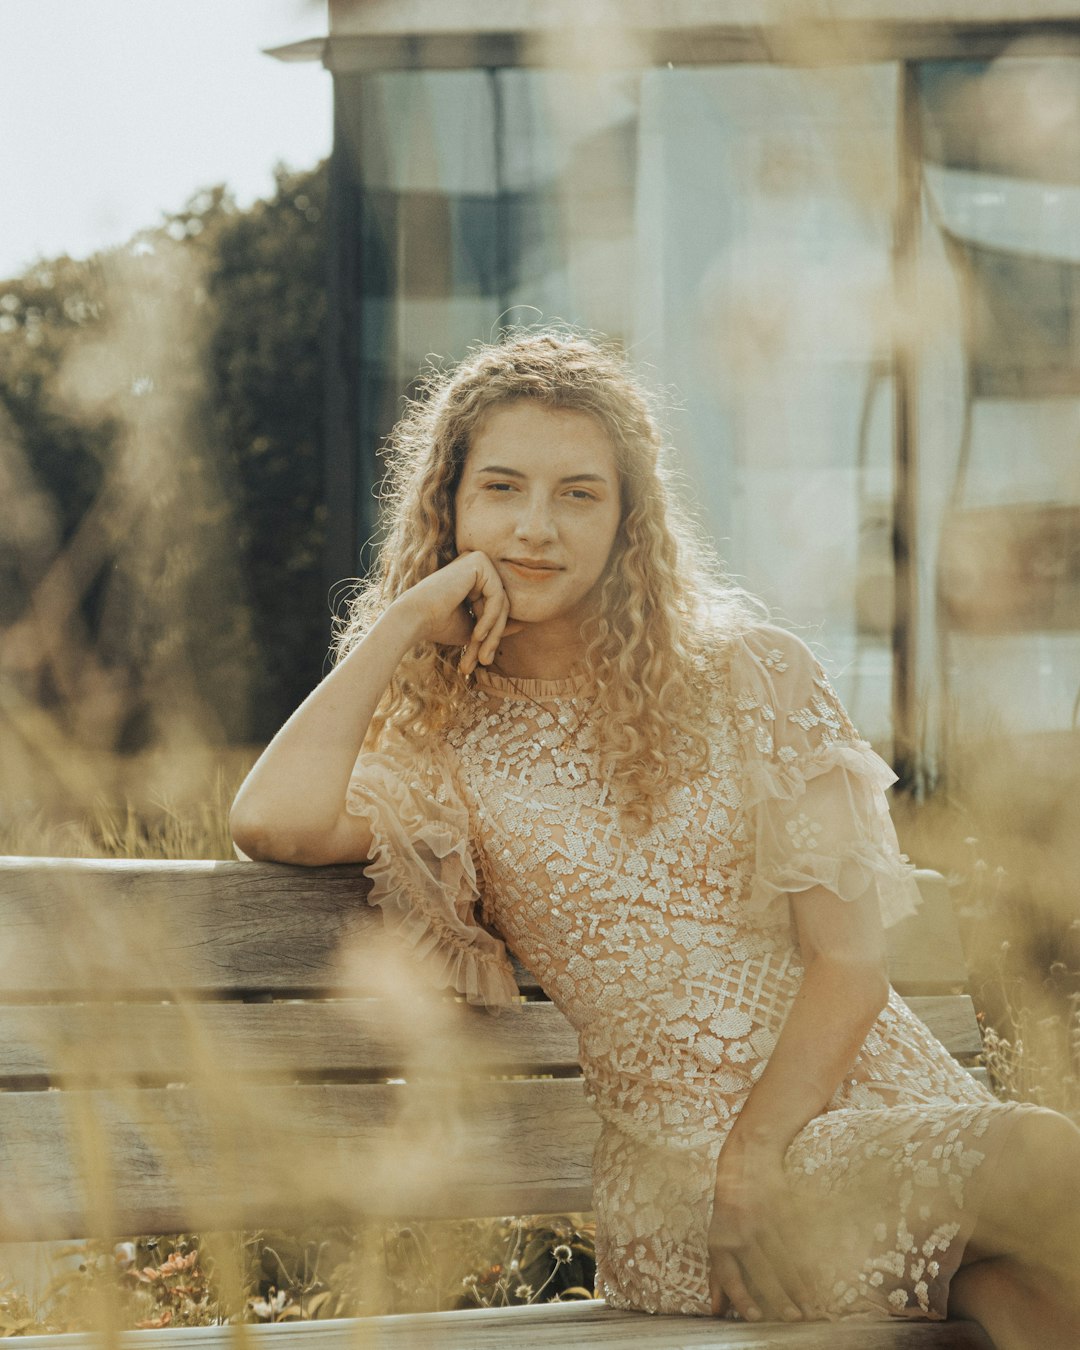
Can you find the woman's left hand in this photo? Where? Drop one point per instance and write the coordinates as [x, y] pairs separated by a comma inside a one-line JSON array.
[[753, 1246]]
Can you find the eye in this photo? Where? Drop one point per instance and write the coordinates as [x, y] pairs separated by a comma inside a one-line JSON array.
[[582, 495], [498, 487]]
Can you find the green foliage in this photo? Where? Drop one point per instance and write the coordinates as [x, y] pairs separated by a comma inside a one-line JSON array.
[[160, 463], [267, 287]]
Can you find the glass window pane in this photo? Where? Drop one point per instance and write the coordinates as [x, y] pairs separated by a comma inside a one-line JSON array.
[[731, 226], [1000, 390]]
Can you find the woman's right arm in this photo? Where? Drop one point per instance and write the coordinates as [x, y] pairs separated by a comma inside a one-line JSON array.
[[291, 806]]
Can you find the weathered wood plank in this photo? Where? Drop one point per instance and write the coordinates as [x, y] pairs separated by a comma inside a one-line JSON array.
[[359, 1038], [219, 1155], [951, 1017], [924, 951], [364, 1038], [553, 1326], [79, 927]]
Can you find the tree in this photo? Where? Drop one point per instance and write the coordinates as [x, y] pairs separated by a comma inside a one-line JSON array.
[[160, 452], [267, 282]]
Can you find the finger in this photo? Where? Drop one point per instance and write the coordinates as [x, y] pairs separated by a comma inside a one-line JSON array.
[[480, 608], [496, 609], [728, 1273], [492, 624], [787, 1255], [470, 653], [718, 1300], [484, 601], [467, 660], [478, 605], [770, 1281], [498, 632]]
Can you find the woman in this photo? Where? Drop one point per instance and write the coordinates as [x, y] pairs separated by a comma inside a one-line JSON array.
[[553, 724]]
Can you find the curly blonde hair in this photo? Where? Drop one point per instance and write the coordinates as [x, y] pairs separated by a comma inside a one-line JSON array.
[[665, 607]]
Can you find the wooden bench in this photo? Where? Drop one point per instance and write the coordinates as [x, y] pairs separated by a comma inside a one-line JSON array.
[[235, 1046]]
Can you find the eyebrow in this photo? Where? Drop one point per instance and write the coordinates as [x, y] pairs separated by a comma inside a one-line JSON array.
[[570, 478]]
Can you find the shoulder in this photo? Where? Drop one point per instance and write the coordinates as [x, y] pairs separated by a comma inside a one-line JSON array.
[[779, 689], [769, 651], [758, 655]]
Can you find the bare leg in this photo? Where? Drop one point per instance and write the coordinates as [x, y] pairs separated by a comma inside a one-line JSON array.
[[1021, 1277], [1016, 1307]]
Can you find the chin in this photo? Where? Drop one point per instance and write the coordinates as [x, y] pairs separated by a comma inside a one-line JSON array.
[[532, 617], [526, 615], [534, 609], [529, 616]]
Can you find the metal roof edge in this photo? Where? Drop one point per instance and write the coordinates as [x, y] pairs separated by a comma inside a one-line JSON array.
[[309, 49]]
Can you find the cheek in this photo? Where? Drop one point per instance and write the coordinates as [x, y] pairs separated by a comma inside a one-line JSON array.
[[462, 528], [612, 542]]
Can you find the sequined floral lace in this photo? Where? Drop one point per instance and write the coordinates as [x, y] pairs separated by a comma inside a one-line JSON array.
[[672, 954]]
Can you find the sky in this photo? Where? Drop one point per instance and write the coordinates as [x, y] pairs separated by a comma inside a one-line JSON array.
[[115, 112]]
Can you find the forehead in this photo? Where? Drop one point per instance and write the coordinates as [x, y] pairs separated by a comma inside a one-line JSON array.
[[528, 435]]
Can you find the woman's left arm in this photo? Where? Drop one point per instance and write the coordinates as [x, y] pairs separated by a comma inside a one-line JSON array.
[[843, 991]]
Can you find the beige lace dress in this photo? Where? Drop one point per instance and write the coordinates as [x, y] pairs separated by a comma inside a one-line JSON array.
[[673, 955]]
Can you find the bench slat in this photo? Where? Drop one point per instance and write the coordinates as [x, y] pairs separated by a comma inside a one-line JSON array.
[[552, 1326], [347, 1038], [271, 1155], [952, 1019], [924, 951], [72, 928]]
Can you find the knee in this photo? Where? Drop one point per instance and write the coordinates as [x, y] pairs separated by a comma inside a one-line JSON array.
[[1044, 1152]]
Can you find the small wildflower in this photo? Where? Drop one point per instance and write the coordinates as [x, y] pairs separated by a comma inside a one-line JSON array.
[[155, 1323], [562, 1253], [267, 1309], [524, 1292], [469, 1282]]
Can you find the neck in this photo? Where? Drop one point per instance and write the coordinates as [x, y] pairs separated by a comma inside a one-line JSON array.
[[533, 653]]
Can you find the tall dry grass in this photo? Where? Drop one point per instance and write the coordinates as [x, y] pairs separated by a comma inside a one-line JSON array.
[[154, 805], [1006, 833]]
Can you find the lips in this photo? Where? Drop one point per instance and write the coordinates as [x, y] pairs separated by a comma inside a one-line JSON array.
[[530, 570]]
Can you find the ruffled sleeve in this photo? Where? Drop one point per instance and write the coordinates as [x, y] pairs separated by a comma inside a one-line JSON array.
[[422, 873], [814, 789]]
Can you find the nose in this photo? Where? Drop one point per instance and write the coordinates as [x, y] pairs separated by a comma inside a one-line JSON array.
[[535, 523]]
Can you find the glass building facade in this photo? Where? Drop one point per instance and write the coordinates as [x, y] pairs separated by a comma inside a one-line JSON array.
[[858, 286]]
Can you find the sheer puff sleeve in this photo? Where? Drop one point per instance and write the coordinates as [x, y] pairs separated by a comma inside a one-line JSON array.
[[422, 872], [815, 791]]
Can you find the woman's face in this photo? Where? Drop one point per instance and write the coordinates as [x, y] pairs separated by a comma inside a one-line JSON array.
[[539, 494]]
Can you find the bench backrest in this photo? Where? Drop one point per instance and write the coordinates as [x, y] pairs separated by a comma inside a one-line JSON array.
[[235, 1045]]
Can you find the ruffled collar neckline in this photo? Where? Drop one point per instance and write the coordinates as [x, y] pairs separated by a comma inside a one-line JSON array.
[[537, 690]]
